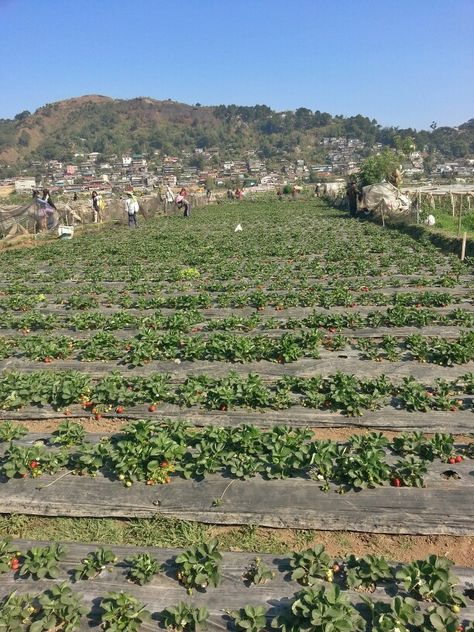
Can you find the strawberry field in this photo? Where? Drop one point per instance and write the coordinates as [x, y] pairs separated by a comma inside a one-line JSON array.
[[219, 364]]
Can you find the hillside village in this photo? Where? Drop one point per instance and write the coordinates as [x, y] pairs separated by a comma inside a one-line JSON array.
[[98, 143], [93, 171]]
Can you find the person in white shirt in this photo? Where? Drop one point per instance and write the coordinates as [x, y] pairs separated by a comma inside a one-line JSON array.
[[132, 207]]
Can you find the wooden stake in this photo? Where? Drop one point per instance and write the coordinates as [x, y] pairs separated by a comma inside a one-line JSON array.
[[463, 246], [459, 220]]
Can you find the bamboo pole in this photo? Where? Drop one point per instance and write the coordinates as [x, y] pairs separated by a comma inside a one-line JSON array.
[[460, 218], [463, 246]]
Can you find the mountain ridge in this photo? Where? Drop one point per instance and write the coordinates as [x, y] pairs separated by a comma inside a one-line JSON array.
[[142, 124]]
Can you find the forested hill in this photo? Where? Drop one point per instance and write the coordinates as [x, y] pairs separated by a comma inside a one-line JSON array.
[[142, 125]]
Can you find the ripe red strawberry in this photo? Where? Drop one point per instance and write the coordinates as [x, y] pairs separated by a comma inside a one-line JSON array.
[[453, 409], [152, 408], [332, 330], [452, 460], [97, 416], [15, 563], [164, 464], [458, 458], [396, 482], [24, 475], [88, 404], [47, 360], [223, 407], [34, 464], [120, 410]]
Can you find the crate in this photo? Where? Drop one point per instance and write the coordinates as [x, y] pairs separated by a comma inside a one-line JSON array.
[[66, 232]]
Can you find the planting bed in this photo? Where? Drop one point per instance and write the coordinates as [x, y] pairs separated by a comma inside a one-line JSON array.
[[242, 580]]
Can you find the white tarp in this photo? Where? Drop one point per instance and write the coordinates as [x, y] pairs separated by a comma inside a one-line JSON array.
[[385, 198]]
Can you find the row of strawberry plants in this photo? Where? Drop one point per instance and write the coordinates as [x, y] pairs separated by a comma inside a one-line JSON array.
[[150, 452], [186, 320], [150, 345], [340, 392], [191, 278], [259, 299], [426, 594]]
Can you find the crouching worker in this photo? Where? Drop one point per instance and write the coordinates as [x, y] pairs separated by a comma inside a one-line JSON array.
[[182, 203], [132, 208]]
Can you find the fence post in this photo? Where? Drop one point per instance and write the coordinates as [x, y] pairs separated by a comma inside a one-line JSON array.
[[460, 216], [463, 246]]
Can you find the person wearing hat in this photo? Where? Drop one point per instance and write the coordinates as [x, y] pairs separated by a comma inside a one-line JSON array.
[[131, 206]]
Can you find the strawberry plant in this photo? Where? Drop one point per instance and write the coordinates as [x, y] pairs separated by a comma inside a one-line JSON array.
[[94, 564], [401, 615], [68, 433], [363, 573], [10, 431], [122, 612], [32, 461], [257, 573], [311, 565], [408, 443], [198, 567], [42, 561], [431, 580], [16, 612], [185, 618], [410, 472], [362, 470], [323, 455], [91, 458], [59, 609], [142, 568], [9, 557], [320, 610], [413, 396], [442, 619], [249, 618]]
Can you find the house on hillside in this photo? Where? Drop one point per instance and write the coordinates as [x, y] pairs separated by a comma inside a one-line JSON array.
[[25, 185]]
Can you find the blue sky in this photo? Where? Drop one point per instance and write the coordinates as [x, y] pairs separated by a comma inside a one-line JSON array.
[[403, 62]]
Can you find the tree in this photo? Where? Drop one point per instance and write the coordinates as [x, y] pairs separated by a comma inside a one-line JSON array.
[[378, 167], [24, 139], [22, 115]]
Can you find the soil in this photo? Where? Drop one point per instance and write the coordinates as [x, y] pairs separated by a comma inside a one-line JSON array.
[[402, 548], [108, 425]]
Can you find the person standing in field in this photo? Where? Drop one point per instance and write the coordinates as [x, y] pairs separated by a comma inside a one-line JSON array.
[[352, 193], [132, 207], [46, 210], [97, 206]]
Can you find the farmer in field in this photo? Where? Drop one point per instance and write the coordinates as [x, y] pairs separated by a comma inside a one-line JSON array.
[[131, 206], [97, 207], [182, 203], [352, 193], [46, 208]]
